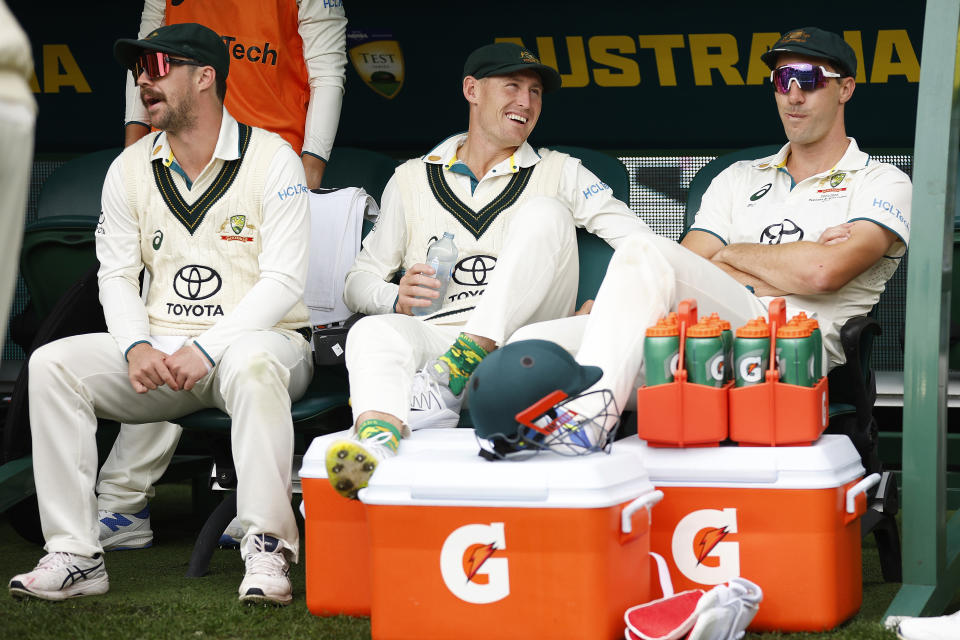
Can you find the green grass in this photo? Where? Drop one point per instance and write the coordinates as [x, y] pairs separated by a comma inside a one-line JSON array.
[[151, 599]]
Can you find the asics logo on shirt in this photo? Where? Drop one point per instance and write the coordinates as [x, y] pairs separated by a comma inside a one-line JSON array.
[[759, 193]]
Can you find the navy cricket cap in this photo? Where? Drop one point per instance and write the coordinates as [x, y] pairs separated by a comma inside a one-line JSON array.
[[189, 39], [817, 43], [503, 58]]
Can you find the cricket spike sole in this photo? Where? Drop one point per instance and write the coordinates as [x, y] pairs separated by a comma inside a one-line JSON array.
[[349, 467]]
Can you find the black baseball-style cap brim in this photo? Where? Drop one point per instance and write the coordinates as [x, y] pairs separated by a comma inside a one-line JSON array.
[[189, 40], [816, 43], [503, 58]]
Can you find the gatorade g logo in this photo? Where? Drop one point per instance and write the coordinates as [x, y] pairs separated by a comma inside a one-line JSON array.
[[674, 364], [470, 566], [700, 550], [715, 367], [750, 366], [762, 191]]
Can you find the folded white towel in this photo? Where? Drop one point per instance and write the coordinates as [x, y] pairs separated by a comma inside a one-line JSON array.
[[336, 219]]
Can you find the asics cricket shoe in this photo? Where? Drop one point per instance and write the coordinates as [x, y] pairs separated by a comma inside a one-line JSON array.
[[351, 461], [232, 535], [432, 404], [267, 578], [121, 531], [60, 575]]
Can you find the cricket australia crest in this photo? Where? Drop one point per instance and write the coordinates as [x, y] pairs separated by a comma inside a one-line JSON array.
[[236, 228]]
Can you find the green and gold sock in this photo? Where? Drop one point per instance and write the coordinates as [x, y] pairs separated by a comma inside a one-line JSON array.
[[373, 428], [462, 358]]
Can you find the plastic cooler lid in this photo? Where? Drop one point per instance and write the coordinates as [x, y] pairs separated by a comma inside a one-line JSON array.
[[314, 465], [458, 476], [831, 461]]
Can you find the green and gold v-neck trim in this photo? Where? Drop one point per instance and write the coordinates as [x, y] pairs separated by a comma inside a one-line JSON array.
[[191, 215], [476, 222]]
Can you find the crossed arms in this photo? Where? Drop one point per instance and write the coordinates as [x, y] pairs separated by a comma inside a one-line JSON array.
[[840, 254]]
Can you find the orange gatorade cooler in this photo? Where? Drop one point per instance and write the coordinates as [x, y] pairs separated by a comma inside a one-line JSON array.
[[786, 518], [547, 547], [337, 539]]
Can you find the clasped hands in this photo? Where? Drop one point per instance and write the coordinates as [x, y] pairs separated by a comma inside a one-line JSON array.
[[150, 368]]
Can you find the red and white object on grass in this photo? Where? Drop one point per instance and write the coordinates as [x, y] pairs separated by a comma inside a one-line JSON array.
[[723, 613]]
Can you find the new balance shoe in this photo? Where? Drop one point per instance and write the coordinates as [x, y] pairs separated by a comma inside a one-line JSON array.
[[121, 531], [432, 404], [267, 578], [351, 461], [232, 535], [59, 576]]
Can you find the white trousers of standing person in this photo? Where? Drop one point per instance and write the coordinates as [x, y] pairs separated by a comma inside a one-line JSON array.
[[16, 136], [535, 279], [75, 380]]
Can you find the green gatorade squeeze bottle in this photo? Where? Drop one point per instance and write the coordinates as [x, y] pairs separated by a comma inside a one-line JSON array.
[[751, 353], [817, 343], [661, 351], [727, 336], [704, 354], [795, 354]]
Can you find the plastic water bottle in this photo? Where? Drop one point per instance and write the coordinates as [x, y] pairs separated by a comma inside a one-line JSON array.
[[442, 256]]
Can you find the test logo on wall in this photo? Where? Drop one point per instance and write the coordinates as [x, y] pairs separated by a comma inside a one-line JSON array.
[[472, 566], [377, 58]]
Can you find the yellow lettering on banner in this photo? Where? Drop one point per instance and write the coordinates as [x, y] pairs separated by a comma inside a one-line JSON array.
[[600, 47], [578, 76], [517, 41], [34, 84], [663, 47], [56, 57], [757, 69], [883, 64], [855, 41], [703, 61]]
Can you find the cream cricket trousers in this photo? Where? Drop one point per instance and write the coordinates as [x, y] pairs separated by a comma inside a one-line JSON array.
[[647, 276], [535, 279], [75, 380], [16, 136]]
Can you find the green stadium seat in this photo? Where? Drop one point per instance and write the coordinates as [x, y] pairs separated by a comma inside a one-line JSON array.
[[74, 188], [59, 245], [355, 167]]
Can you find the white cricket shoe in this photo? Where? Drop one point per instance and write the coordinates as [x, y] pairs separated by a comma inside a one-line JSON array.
[[60, 575], [351, 461], [122, 531], [936, 628], [267, 578], [432, 404]]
